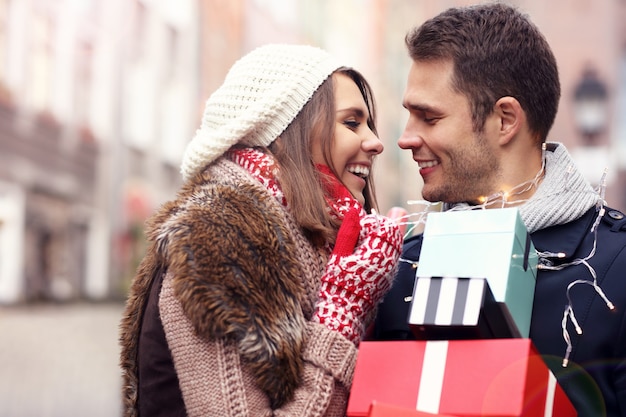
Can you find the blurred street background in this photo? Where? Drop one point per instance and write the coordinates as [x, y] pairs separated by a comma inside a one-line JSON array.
[[60, 360], [98, 100]]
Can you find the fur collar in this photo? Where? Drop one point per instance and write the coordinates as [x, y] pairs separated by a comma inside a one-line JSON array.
[[238, 278]]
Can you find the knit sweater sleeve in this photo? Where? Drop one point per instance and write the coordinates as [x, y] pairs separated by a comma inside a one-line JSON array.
[[327, 377], [332, 352], [216, 380]]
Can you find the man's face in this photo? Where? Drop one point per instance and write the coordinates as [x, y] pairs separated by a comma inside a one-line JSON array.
[[456, 163]]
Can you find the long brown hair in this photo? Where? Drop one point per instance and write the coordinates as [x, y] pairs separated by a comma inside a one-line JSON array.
[[299, 179]]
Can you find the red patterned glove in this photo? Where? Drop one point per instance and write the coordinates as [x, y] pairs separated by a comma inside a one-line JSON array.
[[356, 278]]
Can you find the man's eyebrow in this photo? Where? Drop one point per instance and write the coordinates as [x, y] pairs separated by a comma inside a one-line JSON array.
[[420, 107]]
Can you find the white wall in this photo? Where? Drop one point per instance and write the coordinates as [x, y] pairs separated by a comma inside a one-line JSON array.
[[11, 243]]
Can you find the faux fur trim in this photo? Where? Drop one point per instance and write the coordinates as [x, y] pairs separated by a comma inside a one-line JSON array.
[[236, 279]]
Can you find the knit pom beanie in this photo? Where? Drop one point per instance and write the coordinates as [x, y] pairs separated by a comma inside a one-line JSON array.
[[261, 94]]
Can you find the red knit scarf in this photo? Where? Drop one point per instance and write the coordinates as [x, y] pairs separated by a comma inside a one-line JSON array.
[[264, 168], [338, 196]]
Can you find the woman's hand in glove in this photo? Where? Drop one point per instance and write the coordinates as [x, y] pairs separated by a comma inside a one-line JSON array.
[[359, 272]]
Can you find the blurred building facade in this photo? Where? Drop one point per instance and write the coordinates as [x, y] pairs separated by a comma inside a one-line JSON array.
[[47, 152], [94, 100], [99, 99]]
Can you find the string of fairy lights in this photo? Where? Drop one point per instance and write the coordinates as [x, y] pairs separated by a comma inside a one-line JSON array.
[[502, 199]]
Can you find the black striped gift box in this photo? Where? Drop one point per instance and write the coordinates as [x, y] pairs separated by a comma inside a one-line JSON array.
[[453, 308]]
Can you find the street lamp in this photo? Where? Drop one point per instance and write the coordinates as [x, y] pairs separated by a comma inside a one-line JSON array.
[[590, 105]]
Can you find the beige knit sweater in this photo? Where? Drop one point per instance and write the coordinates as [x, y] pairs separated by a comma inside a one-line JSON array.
[[236, 305]]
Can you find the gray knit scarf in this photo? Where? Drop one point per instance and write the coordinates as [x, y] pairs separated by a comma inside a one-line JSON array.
[[563, 196]]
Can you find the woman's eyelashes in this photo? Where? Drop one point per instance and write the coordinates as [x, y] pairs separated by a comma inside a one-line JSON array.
[[352, 124]]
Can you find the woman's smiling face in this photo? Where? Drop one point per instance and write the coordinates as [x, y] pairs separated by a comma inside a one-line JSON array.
[[354, 144]]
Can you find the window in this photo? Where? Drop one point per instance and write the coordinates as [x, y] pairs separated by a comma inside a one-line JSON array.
[[82, 92], [40, 65], [4, 18], [620, 109]]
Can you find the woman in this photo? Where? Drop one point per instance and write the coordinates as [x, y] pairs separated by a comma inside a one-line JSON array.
[[263, 273]]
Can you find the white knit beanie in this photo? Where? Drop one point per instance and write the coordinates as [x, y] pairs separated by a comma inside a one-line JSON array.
[[261, 94]]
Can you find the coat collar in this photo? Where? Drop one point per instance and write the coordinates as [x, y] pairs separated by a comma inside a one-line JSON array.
[[565, 238]]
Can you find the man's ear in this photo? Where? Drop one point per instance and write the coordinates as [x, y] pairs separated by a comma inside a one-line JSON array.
[[511, 116]]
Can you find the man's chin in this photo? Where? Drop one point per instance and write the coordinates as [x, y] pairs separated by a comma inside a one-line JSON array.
[[433, 196], [448, 197]]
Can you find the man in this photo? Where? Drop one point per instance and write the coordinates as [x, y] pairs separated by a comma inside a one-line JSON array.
[[482, 94]]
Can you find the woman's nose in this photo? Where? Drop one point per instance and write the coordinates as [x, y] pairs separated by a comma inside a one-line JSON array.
[[372, 144]]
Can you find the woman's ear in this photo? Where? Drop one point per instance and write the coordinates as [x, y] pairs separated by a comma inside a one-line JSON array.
[[511, 116]]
